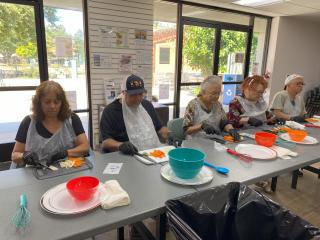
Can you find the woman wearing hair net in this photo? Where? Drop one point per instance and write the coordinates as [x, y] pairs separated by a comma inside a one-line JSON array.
[[288, 104], [205, 115]]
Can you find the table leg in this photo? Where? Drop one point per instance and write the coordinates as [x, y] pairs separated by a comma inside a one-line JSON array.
[[120, 232], [294, 180], [161, 223], [274, 184]]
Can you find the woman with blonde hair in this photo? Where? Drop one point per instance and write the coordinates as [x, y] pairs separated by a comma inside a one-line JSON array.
[[52, 132], [250, 108]]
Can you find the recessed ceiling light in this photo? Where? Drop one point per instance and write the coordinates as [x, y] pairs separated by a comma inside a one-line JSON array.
[[258, 3]]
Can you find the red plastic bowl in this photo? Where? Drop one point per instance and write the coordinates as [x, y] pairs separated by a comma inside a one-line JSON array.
[[265, 139], [83, 188]]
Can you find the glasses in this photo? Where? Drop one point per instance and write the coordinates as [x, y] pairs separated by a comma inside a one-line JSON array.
[[214, 94]]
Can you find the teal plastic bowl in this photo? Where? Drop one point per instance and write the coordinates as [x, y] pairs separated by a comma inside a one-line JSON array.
[[186, 163]]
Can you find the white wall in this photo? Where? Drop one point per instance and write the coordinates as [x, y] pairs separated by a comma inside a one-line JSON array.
[[294, 48], [113, 15]]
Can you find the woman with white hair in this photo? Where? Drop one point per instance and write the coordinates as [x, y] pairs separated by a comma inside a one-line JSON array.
[[288, 104], [204, 114]]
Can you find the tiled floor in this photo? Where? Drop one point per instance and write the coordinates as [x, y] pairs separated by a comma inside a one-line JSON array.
[[303, 201]]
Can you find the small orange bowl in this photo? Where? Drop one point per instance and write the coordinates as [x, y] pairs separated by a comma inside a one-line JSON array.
[[265, 139], [297, 135]]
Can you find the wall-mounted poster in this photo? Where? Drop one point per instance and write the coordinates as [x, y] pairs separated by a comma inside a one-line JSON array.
[[106, 35], [125, 64], [110, 90], [102, 60], [122, 37], [140, 38]]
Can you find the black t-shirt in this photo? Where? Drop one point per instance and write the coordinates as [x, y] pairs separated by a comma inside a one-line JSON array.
[[112, 123], [42, 131]]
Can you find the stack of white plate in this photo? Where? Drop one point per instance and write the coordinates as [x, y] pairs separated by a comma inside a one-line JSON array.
[[58, 200]]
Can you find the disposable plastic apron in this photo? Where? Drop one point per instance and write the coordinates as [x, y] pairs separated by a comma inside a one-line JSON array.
[[253, 109], [213, 118], [63, 139], [139, 126], [292, 109]]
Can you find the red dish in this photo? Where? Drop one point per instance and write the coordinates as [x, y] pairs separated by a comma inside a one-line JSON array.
[[83, 188]]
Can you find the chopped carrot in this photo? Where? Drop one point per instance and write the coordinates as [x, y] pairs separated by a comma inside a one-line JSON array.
[[77, 161], [157, 153], [228, 138]]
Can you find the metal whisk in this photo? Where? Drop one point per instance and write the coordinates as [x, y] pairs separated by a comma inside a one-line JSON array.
[[22, 218]]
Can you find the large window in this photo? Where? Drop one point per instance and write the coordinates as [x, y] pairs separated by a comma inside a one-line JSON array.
[[26, 57]]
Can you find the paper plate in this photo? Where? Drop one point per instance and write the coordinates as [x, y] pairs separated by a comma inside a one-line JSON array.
[[256, 151], [204, 176], [308, 140], [58, 200]]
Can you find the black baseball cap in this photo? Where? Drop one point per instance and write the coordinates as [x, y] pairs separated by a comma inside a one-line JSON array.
[[134, 85]]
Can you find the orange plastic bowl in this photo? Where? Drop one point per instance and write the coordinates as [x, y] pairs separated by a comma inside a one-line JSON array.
[[83, 188], [265, 139], [297, 135]]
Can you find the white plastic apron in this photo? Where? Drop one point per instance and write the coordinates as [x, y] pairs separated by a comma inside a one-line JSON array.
[[253, 109], [213, 118], [63, 139], [290, 109], [139, 126]]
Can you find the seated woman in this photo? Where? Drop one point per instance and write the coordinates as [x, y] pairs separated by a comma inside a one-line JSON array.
[[204, 114], [52, 132], [288, 104], [250, 108]]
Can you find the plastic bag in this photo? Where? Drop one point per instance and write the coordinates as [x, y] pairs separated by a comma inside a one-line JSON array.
[[234, 212]]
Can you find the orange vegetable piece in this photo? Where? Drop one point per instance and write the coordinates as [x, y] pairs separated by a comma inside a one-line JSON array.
[[77, 161], [228, 138], [157, 153]]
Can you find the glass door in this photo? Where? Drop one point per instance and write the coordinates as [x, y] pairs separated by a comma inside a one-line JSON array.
[[197, 61], [231, 68]]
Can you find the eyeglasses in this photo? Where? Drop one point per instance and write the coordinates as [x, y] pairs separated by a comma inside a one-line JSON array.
[[214, 94]]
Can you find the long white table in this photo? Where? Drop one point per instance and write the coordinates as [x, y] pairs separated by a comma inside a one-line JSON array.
[[147, 189]]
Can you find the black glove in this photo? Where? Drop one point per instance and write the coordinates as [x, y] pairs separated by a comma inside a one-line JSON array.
[[254, 122], [30, 158], [128, 148], [56, 157], [209, 129], [280, 121], [234, 133], [298, 119]]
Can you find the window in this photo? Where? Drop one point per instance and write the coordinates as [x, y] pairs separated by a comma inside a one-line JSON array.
[[164, 55]]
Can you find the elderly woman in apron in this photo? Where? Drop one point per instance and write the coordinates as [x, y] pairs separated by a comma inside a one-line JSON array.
[[52, 132], [205, 115], [288, 104], [250, 108]]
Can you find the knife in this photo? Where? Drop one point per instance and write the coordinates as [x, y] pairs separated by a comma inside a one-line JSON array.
[[146, 157]]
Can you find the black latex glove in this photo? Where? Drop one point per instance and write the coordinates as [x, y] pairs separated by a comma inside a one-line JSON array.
[[30, 158], [128, 148], [280, 121], [234, 133], [254, 122], [298, 119], [56, 157], [209, 129]]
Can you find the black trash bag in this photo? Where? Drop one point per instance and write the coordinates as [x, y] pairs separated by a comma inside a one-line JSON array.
[[234, 212]]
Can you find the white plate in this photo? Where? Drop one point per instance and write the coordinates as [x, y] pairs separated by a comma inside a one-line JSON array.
[[204, 176], [164, 149], [58, 200], [308, 140], [256, 151]]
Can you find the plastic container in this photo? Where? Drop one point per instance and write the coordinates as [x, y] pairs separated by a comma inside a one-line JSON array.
[[265, 139], [83, 188], [186, 163], [297, 135]]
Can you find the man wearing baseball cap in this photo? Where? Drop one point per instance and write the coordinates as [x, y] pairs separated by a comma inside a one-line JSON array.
[[288, 104], [130, 123]]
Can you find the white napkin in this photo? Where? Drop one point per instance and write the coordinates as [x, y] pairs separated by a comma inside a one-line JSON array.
[[112, 195], [284, 153], [295, 125]]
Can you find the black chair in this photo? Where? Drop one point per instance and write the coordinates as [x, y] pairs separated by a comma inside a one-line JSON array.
[[5, 155]]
